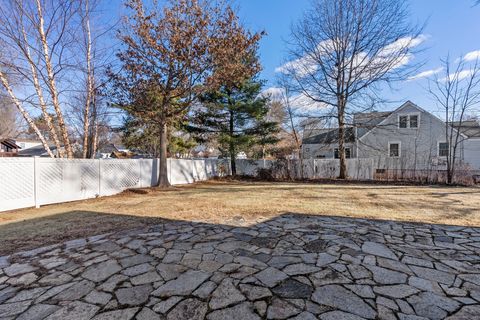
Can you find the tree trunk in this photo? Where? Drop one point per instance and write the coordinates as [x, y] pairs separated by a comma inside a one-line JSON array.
[[232, 151], [341, 140], [163, 171], [41, 99], [25, 114], [90, 93], [51, 82]]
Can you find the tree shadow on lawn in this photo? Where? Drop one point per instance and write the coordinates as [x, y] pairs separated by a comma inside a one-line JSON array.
[[59, 228], [245, 186]]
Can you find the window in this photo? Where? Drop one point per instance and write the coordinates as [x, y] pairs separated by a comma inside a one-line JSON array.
[[394, 149], [443, 149], [408, 121], [336, 155], [414, 121]]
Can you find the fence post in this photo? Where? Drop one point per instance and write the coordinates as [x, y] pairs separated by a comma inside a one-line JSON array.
[[140, 180], [36, 181], [100, 177]]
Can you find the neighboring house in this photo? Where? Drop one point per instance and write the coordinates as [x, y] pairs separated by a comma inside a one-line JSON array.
[[113, 151], [8, 148], [27, 143], [106, 151], [38, 151], [408, 138], [324, 144]]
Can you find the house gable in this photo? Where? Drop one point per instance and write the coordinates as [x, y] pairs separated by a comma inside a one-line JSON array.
[[418, 138], [407, 108]]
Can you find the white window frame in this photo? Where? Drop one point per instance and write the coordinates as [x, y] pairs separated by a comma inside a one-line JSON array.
[[408, 115], [438, 149], [398, 121], [399, 149], [418, 120], [345, 153]]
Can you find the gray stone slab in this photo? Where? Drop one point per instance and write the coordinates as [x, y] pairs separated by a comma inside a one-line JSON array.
[[76, 310], [102, 271], [133, 296], [185, 284], [338, 297], [225, 295], [192, 309], [243, 311]]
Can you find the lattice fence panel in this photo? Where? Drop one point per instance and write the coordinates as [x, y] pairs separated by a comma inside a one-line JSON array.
[[50, 184], [180, 171], [90, 175], [118, 175], [61, 180], [50, 178], [16, 183]]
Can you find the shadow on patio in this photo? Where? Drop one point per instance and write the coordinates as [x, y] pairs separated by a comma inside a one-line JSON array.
[[291, 265]]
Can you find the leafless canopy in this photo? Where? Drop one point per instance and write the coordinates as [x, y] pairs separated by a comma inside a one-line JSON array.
[[46, 49], [343, 50], [456, 92]]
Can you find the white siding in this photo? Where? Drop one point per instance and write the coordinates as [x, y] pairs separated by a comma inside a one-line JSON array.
[[472, 153]]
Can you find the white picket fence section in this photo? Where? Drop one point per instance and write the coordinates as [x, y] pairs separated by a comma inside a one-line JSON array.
[[28, 182]]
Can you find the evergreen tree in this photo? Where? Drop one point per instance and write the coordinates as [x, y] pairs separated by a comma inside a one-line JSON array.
[[171, 55], [236, 117], [143, 136]]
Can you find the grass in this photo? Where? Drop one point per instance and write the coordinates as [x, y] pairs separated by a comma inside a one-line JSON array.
[[224, 202]]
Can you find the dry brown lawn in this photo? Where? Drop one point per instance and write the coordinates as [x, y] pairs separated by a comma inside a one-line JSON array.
[[224, 202]]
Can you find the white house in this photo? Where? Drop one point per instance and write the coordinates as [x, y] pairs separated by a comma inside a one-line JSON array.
[[408, 138]]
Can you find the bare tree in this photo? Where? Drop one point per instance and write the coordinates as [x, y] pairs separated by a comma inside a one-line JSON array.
[[343, 50], [90, 93], [9, 120], [40, 68], [88, 112], [457, 94], [292, 121]]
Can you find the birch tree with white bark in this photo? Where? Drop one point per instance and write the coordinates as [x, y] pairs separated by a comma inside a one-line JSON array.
[[39, 64]]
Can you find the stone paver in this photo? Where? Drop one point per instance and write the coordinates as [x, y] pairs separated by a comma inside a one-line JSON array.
[[291, 267]]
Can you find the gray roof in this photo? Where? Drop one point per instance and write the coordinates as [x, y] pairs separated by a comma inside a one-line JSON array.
[[330, 136], [36, 151], [368, 120], [109, 148], [470, 128]]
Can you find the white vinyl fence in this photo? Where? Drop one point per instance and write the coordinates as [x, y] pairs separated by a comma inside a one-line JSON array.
[[28, 182], [357, 169]]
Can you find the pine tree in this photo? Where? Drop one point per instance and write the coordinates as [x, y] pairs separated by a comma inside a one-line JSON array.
[[173, 54], [236, 117]]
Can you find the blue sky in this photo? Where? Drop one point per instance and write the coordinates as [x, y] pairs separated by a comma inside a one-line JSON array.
[[453, 27]]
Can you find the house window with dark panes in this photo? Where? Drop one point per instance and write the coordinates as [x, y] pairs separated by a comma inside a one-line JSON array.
[[443, 149], [337, 155], [403, 121], [394, 149], [414, 121]]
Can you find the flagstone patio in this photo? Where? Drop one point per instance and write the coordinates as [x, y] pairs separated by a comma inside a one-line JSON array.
[[291, 267]]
